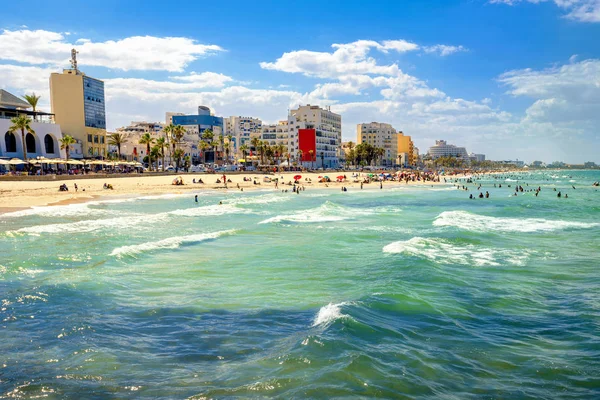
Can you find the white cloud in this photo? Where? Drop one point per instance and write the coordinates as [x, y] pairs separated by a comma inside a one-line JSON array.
[[444, 50], [579, 10], [131, 53]]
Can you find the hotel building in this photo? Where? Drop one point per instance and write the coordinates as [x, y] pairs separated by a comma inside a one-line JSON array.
[[399, 149], [443, 149], [78, 105], [241, 129]]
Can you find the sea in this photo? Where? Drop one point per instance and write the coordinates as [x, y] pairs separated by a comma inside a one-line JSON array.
[[409, 292]]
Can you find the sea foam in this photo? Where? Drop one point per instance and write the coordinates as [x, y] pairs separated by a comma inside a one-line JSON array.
[[212, 210], [330, 313], [169, 243], [71, 210], [329, 212], [445, 252], [481, 223]]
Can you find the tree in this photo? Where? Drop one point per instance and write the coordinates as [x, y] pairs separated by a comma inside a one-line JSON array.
[[203, 147], [226, 146], [155, 154], [65, 144], [21, 123], [244, 149], [33, 100], [312, 153], [117, 139], [178, 133], [161, 142], [147, 140], [300, 154], [178, 154], [230, 142], [168, 131]]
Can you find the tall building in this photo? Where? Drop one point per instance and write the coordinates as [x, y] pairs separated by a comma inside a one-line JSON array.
[[406, 150], [241, 129], [380, 135], [198, 122], [443, 149], [322, 134], [77, 102]]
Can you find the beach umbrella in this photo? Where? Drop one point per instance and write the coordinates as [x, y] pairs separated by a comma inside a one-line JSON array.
[[16, 161], [75, 162], [4, 162], [297, 177], [341, 177]]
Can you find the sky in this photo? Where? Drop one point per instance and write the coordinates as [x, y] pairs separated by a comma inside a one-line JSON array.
[[512, 79]]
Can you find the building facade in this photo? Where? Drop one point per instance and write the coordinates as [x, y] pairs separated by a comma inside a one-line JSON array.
[[241, 129], [382, 136], [328, 132], [406, 148], [44, 142], [78, 105], [443, 149]]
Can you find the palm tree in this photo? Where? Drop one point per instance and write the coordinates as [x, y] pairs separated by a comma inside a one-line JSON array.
[[350, 153], [312, 152], [32, 99], [147, 140], [230, 141], [178, 154], [168, 131], [117, 139], [178, 134], [226, 146], [208, 136], [155, 153], [161, 142], [244, 149], [203, 147], [21, 123], [65, 144], [300, 154], [222, 142]]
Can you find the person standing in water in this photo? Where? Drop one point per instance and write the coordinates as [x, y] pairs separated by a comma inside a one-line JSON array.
[[196, 198]]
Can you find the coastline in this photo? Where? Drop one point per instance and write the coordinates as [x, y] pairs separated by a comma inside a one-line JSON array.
[[19, 195]]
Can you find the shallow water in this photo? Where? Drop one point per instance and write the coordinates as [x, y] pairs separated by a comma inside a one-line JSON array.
[[404, 292]]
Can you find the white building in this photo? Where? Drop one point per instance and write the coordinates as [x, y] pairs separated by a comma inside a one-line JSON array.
[[477, 157], [45, 142], [241, 129], [443, 149], [382, 136], [328, 126]]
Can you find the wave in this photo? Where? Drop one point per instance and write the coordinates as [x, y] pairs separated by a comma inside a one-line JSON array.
[[481, 223], [445, 252], [169, 243], [330, 313], [93, 225], [213, 210], [329, 212], [71, 210], [263, 199]]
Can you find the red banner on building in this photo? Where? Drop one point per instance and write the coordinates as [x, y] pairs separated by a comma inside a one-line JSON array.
[[307, 141]]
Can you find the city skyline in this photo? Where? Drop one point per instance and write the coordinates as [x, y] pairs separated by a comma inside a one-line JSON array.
[[478, 74]]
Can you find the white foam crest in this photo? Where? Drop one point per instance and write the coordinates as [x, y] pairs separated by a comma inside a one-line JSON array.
[[329, 313], [71, 210], [263, 199], [213, 210], [442, 251], [97, 224], [169, 243], [327, 212], [481, 223]]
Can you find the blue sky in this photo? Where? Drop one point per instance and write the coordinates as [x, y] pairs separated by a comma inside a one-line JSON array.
[[508, 78]]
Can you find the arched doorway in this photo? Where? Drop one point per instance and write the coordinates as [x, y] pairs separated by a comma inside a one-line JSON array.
[[48, 144], [11, 142], [30, 143]]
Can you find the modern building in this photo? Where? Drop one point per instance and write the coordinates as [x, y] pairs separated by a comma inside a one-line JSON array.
[[443, 149], [325, 141], [477, 157], [382, 136], [45, 142], [78, 105], [201, 121], [241, 129]]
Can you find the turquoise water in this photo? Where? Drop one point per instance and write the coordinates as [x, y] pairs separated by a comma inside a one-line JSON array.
[[393, 293]]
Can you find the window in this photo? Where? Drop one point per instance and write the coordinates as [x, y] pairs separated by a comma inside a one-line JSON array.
[[30, 143], [95, 138], [90, 138], [101, 139], [49, 144], [11, 142]]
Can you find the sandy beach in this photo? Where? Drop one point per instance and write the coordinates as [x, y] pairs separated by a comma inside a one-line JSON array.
[[24, 194]]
